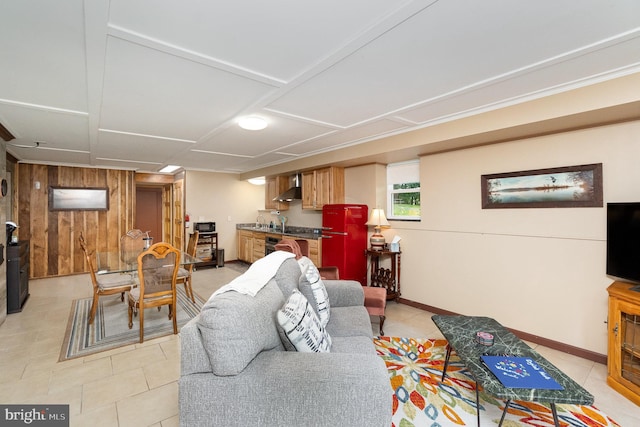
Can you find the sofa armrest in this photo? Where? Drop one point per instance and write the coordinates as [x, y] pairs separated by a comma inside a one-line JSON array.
[[281, 388], [344, 293], [193, 356]]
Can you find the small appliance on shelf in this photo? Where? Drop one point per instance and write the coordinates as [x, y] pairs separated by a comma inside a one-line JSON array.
[[11, 228]]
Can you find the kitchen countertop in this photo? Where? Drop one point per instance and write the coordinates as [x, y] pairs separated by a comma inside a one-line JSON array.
[[290, 231]]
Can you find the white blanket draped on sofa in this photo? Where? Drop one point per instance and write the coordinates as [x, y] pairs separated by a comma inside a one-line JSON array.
[[258, 274]]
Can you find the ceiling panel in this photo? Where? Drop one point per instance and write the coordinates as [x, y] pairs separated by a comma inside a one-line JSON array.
[[202, 160], [153, 93], [128, 164], [265, 160], [345, 137], [136, 85], [51, 128], [43, 154], [279, 39], [448, 46], [281, 132], [138, 148], [43, 53], [504, 91]]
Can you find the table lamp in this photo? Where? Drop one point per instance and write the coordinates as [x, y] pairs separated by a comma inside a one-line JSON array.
[[378, 220]]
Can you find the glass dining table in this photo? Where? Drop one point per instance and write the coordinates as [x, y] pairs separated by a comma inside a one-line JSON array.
[[113, 262]]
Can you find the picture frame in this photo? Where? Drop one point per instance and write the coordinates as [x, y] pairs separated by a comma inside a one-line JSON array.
[[78, 198], [577, 186]]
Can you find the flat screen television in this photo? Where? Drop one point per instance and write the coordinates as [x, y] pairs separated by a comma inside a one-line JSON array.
[[623, 241]]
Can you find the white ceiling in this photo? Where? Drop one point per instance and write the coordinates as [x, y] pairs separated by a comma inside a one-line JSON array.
[[139, 84]]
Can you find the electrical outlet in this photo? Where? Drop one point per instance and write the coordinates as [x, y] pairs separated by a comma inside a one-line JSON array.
[[229, 218]]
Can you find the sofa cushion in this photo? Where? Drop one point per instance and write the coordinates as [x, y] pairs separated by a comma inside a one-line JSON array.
[[350, 322], [236, 327], [312, 287], [357, 345], [300, 326]]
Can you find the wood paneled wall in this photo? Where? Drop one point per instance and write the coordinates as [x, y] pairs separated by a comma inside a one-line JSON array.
[[54, 234]]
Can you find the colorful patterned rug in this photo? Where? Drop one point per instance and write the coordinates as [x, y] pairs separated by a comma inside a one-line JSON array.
[[110, 329], [421, 399]]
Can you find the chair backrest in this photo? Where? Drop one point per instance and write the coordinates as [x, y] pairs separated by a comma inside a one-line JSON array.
[[192, 247], [293, 246], [158, 270], [87, 255], [131, 244]]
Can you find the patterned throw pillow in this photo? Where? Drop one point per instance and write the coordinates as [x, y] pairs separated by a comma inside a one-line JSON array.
[[301, 327], [312, 287]]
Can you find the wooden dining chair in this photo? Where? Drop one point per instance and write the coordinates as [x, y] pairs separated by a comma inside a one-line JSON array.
[[157, 273], [131, 244], [184, 273], [104, 284]]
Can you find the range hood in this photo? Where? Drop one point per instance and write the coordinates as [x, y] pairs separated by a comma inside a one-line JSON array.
[[294, 192]]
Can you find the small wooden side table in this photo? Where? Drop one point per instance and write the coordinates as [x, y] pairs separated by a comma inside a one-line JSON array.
[[388, 278]]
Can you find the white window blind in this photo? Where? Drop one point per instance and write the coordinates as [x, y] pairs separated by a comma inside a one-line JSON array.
[[403, 190]]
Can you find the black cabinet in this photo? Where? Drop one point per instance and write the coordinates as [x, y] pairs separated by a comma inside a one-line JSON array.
[[17, 276]]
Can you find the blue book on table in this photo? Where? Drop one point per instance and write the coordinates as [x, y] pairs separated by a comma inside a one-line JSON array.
[[520, 372]]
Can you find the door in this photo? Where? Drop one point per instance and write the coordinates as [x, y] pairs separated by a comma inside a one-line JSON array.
[[178, 214], [149, 211]]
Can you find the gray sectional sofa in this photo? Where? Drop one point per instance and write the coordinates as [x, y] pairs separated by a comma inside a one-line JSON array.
[[235, 370]]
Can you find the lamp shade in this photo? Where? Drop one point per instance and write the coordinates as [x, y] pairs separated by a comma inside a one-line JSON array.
[[378, 218]]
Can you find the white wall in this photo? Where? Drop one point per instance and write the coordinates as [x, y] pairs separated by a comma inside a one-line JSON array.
[[225, 199], [541, 271]]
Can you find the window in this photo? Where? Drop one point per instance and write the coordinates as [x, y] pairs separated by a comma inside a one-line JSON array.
[[403, 190]]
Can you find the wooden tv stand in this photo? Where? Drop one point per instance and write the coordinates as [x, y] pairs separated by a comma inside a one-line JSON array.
[[623, 358]]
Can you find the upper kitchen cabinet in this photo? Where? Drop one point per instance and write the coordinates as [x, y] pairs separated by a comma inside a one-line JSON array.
[[275, 186], [322, 187]]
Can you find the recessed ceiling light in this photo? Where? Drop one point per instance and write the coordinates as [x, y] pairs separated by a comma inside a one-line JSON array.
[[170, 168], [252, 123]]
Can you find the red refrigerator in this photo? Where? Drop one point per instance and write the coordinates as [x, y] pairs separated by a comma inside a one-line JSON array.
[[344, 240]]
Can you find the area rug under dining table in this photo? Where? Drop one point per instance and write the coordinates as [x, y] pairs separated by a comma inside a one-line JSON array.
[[422, 399], [110, 329]]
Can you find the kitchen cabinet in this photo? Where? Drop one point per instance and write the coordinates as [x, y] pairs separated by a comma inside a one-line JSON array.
[[258, 246], [273, 187], [315, 251], [252, 245], [322, 187], [245, 246]]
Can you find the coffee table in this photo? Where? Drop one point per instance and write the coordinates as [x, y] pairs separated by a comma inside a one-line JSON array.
[[460, 332]]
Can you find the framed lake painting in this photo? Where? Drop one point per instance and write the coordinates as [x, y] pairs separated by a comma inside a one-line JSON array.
[[564, 187], [78, 199]]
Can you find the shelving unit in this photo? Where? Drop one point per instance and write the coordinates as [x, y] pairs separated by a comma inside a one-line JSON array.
[[388, 278], [207, 249]]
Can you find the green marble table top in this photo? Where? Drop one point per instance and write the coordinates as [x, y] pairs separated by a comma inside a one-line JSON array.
[[460, 332]]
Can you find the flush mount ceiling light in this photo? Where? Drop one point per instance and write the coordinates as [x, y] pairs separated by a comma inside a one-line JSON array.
[[169, 168], [260, 180], [252, 123]]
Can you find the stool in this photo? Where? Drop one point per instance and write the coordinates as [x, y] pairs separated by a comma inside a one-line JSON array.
[[375, 301]]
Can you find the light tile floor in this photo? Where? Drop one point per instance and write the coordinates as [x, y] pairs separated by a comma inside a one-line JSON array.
[[136, 385]]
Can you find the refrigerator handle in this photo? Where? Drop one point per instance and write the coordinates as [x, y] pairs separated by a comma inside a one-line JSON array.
[[337, 233]]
